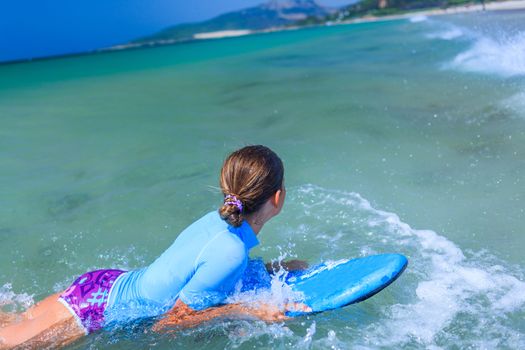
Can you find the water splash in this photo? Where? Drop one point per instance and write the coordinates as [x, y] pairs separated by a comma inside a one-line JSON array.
[[13, 302], [515, 104], [450, 33], [503, 55], [450, 292], [266, 289], [418, 18], [499, 52]]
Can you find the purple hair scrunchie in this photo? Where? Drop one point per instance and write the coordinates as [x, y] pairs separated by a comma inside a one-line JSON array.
[[232, 199]]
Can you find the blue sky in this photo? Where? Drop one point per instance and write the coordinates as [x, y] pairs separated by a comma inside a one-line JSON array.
[[36, 28]]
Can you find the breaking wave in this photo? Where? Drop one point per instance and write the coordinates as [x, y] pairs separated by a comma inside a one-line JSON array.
[[503, 56], [497, 52]]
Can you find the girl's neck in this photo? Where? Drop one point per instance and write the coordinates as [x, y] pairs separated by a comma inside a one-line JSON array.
[[260, 217], [255, 224]]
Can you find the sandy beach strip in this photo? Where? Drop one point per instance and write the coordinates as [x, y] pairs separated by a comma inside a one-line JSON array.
[[222, 34]]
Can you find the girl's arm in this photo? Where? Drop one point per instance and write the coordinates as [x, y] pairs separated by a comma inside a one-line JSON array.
[[183, 316]]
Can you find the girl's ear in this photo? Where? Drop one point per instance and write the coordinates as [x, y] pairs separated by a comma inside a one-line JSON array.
[[276, 198]]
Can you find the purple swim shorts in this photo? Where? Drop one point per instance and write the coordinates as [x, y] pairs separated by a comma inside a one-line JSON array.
[[87, 297]]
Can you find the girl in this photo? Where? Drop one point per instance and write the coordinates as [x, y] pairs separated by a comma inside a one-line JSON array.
[[196, 273]]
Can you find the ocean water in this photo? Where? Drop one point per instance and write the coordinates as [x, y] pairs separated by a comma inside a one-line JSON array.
[[403, 136]]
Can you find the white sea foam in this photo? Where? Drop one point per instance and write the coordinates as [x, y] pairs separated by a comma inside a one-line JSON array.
[[452, 287], [503, 55], [515, 104], [279, 336], [500, 53], [452, 292], [278, 293], [13, 302], [453, 32], [418, 18]]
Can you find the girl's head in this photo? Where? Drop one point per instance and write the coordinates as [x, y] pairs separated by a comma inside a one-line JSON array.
[[252, 175]]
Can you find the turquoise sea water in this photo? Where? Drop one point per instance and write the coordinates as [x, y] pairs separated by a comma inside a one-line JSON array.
[[404, 136]]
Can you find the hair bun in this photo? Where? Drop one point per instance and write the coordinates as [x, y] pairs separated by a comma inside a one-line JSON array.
[[231, 213]]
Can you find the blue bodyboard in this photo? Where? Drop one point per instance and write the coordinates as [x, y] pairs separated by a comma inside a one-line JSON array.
[[331, 286]]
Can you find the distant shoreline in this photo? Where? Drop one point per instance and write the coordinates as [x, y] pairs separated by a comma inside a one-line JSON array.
[[510, 5]]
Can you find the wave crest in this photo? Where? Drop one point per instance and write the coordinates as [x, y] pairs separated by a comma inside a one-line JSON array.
[[504, 56]]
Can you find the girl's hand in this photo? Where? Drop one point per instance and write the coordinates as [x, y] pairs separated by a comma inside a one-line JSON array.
[[298, 307], [267, 313], [271, 313], [295, 265]]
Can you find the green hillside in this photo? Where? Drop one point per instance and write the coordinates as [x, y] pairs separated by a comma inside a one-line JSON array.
[[271, 14]]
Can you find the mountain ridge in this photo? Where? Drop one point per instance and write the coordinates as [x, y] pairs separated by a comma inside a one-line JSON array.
[[268, 15]]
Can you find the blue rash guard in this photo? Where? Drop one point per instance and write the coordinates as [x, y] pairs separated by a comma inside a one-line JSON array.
[[200, 268]]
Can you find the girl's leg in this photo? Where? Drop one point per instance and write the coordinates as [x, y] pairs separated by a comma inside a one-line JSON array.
[[7, 318], [47, 323], [55, 337], [41, 307]]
